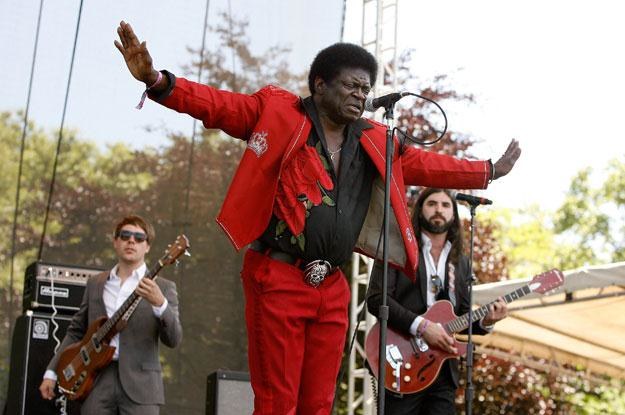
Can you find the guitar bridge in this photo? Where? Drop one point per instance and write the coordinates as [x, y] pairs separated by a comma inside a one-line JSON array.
[[395, 360], [69, 372]]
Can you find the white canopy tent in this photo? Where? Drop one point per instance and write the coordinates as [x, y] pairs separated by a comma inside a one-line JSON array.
[[582, 323]]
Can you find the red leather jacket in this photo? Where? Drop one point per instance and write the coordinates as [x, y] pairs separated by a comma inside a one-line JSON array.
[[275, 126]]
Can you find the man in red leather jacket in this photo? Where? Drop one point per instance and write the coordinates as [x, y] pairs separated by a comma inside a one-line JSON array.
[[307, 193]]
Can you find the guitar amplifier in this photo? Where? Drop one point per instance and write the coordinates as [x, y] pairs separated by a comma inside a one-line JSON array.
[[68, 281]]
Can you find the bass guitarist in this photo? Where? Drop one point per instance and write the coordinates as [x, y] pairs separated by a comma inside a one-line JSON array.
[[132, 383], [442, 274]]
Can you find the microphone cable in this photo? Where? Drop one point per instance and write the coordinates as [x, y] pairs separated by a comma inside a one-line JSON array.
[[61, 401], [407, 137]]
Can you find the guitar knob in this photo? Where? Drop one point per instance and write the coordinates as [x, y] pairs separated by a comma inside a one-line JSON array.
[[394, 372], [407, 379], [408, 366], [394, 385]]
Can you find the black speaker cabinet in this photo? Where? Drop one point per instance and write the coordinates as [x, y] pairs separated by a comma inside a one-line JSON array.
[[31, 351], [229, 393]]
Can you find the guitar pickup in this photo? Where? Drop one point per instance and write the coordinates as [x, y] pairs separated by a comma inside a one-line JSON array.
[[84, 355]]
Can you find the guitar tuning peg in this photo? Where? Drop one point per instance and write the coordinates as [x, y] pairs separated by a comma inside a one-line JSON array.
[[176, 262], [187, 253]]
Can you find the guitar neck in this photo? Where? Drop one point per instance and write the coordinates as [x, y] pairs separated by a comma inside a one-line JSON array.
[[109, 328], [462, 322]]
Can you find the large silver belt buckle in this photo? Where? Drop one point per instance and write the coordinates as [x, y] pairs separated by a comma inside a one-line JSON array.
[[316, 271]]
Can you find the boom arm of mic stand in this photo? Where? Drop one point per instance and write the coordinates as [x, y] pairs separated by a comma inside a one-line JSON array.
[[384, 311]]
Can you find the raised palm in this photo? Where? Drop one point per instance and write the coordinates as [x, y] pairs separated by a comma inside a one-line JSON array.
[[135, 54]]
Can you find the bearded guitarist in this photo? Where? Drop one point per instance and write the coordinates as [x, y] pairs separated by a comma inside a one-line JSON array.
[[443, 274], [132, 383]]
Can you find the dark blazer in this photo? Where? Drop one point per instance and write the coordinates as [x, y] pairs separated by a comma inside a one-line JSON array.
[[139, 366], [407, 300]]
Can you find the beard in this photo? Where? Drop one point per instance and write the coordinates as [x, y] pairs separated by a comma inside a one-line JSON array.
[[434, 228]]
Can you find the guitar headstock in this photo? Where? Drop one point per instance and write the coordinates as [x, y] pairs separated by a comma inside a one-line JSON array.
[[175, 250], [547, 281]]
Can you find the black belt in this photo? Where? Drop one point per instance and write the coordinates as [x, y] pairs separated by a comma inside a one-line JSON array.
[[314, 271], [263, 248]]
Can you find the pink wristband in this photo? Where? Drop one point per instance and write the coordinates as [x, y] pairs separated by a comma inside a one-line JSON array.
[[423, 327], [145, 93]]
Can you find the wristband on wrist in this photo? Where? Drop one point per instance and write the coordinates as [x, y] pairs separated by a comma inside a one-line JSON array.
[[422, 327], [492, 171], [145, 93]]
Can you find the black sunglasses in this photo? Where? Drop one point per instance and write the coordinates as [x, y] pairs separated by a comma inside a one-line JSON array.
[[125, 235]]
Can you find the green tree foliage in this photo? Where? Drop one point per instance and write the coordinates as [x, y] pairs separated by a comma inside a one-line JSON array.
[[508, 387], [527, 238], [594, 215]]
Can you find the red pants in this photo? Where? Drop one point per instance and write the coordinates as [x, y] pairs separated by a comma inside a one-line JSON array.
[[296, 335]]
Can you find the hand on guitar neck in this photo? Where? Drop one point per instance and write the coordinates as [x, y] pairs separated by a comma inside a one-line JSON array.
[[149, 290]]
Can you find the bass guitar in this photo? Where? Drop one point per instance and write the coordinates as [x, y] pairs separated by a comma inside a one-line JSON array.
[[80, 363], [411, 365]]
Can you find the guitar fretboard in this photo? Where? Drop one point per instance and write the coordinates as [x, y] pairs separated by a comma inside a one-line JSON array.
[[462, 322]]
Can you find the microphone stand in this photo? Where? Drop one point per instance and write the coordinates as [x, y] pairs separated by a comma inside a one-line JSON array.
[[384, 310], [469, 390]]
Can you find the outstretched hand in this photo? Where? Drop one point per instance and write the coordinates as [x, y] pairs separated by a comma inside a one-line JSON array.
[[136, 55], [507, 160]]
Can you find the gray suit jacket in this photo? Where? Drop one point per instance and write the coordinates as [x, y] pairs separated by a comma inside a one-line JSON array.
[[139, 366]]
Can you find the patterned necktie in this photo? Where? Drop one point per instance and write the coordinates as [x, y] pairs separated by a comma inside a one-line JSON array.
[[451, 286]]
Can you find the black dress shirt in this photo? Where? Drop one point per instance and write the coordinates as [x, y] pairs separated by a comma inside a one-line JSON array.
[[331, 232]]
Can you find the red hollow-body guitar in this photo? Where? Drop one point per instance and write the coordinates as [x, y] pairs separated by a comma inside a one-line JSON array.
[[411, 365], [80, 362]]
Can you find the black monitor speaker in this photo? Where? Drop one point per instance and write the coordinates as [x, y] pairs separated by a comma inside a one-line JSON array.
[[229, 393]]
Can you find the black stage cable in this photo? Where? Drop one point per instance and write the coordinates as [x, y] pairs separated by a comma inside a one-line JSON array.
[[343, 20], [194, 131], [58, 145], [234, 70], [186, 222], [19, 171]]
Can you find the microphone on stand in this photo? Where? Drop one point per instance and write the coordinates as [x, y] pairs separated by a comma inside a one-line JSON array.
[[372, 104], [472, 200]]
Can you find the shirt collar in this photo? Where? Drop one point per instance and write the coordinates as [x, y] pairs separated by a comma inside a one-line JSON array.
[[426, 242], [137, 273]]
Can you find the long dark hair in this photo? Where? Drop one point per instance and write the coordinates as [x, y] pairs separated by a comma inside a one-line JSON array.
[[454, 234]]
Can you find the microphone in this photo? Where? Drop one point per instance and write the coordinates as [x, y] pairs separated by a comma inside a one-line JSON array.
[[472, 200], [372, 104]]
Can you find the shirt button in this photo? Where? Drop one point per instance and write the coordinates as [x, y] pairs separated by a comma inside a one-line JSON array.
[[340, 211]]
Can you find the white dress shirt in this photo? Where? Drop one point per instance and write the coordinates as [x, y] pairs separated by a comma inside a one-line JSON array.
[[431, 268]]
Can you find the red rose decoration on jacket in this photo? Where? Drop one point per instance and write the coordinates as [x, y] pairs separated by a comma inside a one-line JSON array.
[[301, 186]]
